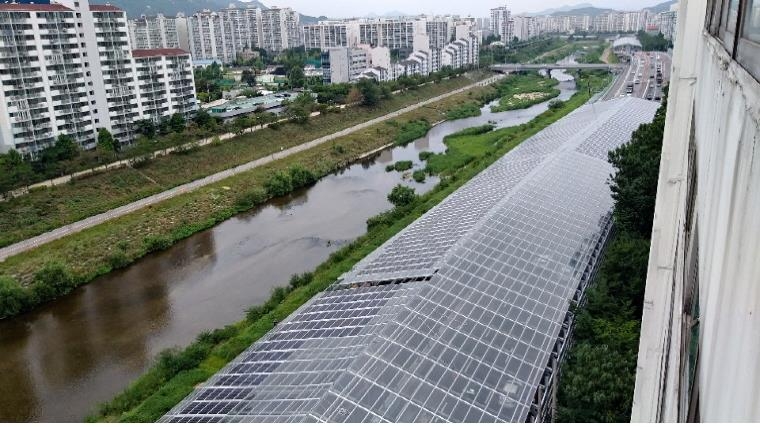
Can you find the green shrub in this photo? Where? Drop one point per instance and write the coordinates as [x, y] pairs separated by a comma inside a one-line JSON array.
[[53, 280], [118, 259], [390, 168], [13, 298], [403, 165], [250, 199], [299, 280], [419, 175], [477, 130], [301, 177], [402, 195], [411, 131], [425, 155], [338, 149], [464, 111], [556, 104], [279, 184], [156, 243]]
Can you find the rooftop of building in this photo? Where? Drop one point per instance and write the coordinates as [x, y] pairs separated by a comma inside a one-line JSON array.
[[31, 7], [457, 316]]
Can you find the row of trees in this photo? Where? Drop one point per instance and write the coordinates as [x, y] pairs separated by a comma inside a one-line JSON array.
[[656, 42], [66, 157], [598, 378]]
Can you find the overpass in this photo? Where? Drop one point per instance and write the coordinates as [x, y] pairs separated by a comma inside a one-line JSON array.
[[505, 68]]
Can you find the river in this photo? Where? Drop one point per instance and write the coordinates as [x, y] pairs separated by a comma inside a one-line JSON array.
[[59, 361]]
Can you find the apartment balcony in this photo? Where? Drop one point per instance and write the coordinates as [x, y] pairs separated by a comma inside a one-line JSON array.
[[57, 32]]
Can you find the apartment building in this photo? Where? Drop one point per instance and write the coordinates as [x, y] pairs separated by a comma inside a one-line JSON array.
[[222, 35], [330, 34], [68, 68], [395, 34], [165, 83], [699, 341], [154, 32], [501, 24], [207, 37], [344, 64], [440, 32], [668, 24], [280, 29], [44, 92], [525, 27]]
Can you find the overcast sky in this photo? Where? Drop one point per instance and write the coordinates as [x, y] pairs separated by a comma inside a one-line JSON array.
[[476, 8]]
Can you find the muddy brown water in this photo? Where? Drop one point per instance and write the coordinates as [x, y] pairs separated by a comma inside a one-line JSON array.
[[59, 361]]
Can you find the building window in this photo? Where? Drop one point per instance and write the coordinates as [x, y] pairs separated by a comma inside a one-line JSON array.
[[736, 23]]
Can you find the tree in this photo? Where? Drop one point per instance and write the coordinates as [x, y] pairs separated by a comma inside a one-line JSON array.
[[370, 91], [15, 172], [106, 143], [402, 196], [634, 185], [296, 77], [240, 124], [66, 148], [300, 108], [146, 128], [248, 77], [177, 123], [205, 120]]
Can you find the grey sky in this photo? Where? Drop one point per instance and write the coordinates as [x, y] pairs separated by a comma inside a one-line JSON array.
[[476, 8]]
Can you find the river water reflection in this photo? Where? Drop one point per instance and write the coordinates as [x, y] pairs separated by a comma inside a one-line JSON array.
[[61, 360]]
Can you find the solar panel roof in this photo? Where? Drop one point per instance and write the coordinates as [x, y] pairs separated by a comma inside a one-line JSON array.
[[458, 317]]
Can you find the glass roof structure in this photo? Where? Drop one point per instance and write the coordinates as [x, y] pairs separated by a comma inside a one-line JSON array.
[[463, 316]]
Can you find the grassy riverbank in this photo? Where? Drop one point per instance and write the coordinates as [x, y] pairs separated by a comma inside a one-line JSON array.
[[42, 274], [520, 91], [176, 373], [49, 208]]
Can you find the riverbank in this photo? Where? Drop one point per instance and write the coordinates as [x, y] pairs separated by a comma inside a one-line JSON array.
[[177, 373], [52, 270], [47, 209]]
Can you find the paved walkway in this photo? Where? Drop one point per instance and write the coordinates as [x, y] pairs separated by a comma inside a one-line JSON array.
[[92, 221]]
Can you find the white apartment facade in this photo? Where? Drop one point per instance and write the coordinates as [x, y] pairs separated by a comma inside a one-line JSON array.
[[44, 91], [699, 341], [280, 29], [330, 34], [221, 36], [344, 64], [501, 24], [154, 32], [165, 82], [525, 27], [67, 69]]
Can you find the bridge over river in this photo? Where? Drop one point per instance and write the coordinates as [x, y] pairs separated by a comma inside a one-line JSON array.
[[505, 68]]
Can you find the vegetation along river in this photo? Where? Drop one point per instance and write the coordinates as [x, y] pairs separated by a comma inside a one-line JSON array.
[[59, 361]]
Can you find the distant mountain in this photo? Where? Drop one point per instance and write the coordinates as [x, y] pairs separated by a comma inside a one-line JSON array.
[[591, 11], [391, 14], [564, 8], [662, 7], [306, 19], [135, 8]]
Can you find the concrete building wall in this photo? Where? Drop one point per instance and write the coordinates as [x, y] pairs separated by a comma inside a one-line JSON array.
[[702, 298], [79, 77]]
